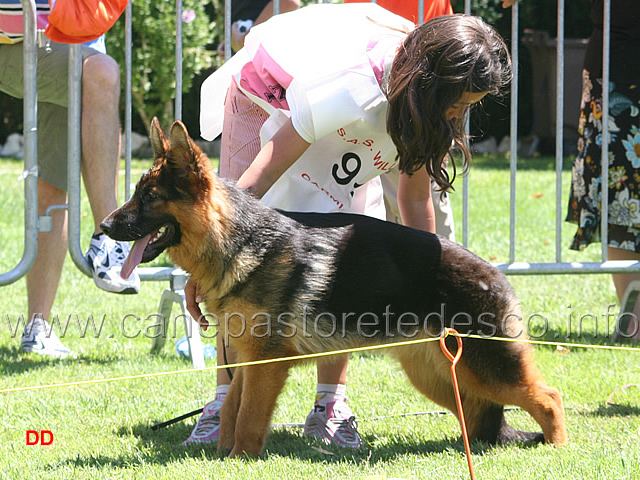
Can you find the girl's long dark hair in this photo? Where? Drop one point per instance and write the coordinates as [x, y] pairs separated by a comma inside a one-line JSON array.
[[436, 64]]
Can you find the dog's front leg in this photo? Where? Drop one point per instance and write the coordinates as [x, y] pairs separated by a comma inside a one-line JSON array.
[[229, 413], [260, 389]]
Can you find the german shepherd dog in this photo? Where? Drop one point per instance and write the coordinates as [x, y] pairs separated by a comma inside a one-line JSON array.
[[289, 284]]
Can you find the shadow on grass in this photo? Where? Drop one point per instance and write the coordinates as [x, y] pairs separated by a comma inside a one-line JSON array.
[[609, 410], [587, 336], [164, 447], [290, 443], [13, 361]]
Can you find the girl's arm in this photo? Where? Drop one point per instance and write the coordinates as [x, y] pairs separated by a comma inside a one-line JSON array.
[[414, 201], [273, 160], [280, 153]]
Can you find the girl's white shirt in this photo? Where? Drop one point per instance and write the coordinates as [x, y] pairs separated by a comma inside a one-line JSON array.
[[331, 60]]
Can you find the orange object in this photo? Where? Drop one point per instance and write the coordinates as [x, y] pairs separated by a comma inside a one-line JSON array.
[[456, 389], [79, 21], [409, 8]]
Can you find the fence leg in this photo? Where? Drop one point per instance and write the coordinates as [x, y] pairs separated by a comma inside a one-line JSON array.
[[175, 294]]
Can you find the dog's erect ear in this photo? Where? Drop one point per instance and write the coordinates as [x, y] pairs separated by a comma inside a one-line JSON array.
[[184, 151], [159, 140]]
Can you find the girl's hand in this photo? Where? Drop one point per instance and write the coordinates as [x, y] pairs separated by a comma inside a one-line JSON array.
[[508, 3], [193, 299]]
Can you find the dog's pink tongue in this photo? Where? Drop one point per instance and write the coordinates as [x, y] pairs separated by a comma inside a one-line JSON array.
[[135, 256]]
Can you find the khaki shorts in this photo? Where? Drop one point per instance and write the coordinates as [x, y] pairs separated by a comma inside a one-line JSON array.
[[53, 95]]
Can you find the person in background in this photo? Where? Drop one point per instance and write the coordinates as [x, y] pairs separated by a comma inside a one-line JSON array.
[[623, 184], [247, 13], [409, 8], [100, 156]]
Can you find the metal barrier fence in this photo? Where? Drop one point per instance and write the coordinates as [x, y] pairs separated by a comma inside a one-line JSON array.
[[175, 276], [34, 223]]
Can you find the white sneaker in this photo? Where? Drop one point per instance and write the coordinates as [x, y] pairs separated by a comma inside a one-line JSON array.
[[38, 337], [106, 256], [333, 423], [207, 430]]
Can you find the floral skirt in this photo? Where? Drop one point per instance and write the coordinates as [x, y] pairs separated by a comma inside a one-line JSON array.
[[624, 167]]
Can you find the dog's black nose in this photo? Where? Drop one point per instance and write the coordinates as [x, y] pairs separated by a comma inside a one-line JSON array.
[[106, 227]]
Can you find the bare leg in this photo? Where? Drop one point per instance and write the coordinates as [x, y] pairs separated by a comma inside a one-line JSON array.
[[621, 282], [333, 371], [44, 276], [100, 134]]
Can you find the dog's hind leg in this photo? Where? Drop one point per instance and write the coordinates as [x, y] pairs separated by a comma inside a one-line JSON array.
[[486, 422], [483, 405], [229, 412], [261, 385], [542, 402], [482, 418], [427, 370]]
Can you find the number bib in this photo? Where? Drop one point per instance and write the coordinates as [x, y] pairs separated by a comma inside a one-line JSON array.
[[327, 177]]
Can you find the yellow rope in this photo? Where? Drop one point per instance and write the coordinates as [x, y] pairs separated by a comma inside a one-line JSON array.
[[217, 367], [561, 344], [310, 356]]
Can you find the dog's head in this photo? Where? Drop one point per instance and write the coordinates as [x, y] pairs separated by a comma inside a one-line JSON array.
[[180, 180]]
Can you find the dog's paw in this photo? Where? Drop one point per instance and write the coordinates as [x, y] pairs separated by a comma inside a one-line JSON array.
[[236, 453], [224, 445], [243, 453], [223, 452]]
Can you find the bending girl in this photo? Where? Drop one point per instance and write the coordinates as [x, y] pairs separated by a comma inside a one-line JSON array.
[[323, 101]]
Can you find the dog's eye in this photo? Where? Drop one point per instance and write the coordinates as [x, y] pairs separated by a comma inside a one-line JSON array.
[[152, 195]]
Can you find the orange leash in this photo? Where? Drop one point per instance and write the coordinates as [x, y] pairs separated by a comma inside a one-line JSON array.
[[456, 389]]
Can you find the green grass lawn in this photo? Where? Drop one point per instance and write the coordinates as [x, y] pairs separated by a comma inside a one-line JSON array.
[[102, 430]]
